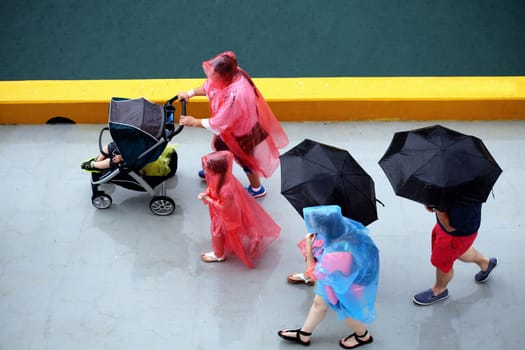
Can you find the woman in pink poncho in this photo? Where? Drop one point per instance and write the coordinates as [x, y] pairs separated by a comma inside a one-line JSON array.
[[239, 225], [241, 120]]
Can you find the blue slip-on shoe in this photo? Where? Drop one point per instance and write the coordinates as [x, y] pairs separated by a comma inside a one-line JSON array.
[[483, 276], [201, 174], [256, 194], [428, 298]]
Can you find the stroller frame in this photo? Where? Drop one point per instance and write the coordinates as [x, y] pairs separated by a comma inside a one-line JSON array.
[[129, 178]]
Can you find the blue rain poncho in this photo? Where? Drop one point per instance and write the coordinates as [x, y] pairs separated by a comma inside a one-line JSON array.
[[347, 268]]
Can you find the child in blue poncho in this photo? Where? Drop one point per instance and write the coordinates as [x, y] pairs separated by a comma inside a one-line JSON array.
[[346, 272]]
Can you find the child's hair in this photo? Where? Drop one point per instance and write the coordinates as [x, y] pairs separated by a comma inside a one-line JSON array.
[[217, 165]]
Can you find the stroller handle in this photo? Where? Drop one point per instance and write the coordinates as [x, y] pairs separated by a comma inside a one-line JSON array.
[[169, 110]]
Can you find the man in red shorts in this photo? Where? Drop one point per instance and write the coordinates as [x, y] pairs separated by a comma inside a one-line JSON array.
[[452, 239]]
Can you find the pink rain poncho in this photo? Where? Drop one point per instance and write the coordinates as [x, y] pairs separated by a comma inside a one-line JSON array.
[[241, 116], [347, 267], [239, 225]]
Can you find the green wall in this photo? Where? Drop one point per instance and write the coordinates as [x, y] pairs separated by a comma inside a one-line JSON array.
[[116, 39]]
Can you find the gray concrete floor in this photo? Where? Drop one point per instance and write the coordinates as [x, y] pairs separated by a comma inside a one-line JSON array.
[[74, 277]]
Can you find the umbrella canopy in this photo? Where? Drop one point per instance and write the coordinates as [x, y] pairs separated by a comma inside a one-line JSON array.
[[439, 167], [314, 174]]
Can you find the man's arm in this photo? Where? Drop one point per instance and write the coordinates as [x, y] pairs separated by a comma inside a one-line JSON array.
[[443, 218]]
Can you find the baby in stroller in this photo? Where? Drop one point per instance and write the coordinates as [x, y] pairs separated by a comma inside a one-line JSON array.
[[107, 159], [139, 157]]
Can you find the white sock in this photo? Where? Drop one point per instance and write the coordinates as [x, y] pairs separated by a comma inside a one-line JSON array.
[[255, 189]]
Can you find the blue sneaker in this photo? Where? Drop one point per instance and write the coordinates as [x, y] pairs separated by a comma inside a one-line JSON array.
[[201, 174], [428, 298], [256, 194], [483, 276]]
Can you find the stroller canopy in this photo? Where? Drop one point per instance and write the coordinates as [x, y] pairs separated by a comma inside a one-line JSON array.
[[136, 126]]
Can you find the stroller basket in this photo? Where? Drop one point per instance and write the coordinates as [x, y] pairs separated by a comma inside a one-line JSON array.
[[141, 131]]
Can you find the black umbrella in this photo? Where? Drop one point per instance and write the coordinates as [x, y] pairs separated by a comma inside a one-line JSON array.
[[439, 167], [313, 174]]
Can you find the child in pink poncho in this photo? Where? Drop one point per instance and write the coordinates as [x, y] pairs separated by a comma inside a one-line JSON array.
[[239, 225], [241, 120]]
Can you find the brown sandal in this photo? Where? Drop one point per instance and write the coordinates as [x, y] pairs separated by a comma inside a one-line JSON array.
[[300, 278]]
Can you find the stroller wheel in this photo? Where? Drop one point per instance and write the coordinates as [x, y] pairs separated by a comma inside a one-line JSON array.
[[162, 205], [101, 200]]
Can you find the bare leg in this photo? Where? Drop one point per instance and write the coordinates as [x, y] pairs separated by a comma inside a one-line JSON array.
[[217, 244], [102, 164], [255, 182], [360, 331], [102, 156], [442, 280], [473, 256], [315, 316]]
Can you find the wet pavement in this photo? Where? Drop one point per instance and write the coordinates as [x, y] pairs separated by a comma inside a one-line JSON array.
[[75, 277]]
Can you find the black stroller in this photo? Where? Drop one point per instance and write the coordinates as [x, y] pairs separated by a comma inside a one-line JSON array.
[[141, 131]]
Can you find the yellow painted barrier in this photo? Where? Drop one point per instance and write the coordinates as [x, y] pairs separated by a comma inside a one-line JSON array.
[[291, 99]]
